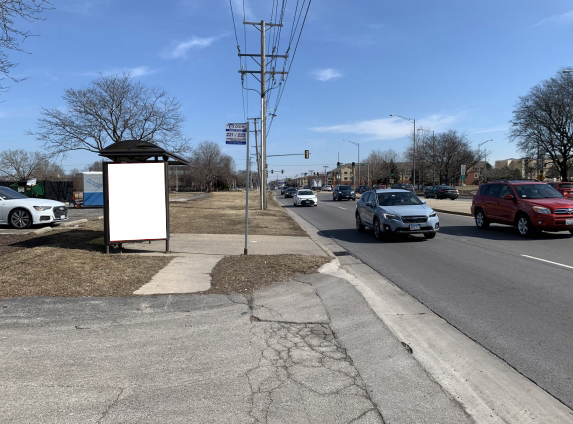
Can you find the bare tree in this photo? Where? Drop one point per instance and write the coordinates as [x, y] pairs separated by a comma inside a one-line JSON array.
[[111, 109], [47, 170], [19, 164], [12, 11], [445, 153], [97, 166], [542, 124], [382, 164], [208, 165]]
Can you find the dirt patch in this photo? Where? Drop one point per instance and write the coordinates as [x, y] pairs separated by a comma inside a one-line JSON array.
[[247, 274]]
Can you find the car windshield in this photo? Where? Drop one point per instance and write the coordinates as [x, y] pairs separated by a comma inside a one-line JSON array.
[[305, 193], [398, 199], [7, 194], [345, 188], [537, 191]]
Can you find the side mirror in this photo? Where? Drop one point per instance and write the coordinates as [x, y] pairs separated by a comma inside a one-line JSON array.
[[423, 201], [508, 196], [368, 203]]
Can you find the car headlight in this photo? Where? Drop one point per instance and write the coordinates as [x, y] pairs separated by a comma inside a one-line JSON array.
[[540, 209], [433, 214], [42, 208], [390, 216]]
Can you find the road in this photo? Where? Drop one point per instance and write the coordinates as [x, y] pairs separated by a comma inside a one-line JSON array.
[[494, 286]]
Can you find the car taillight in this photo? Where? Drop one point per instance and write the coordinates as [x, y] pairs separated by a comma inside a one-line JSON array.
[[442, 191]]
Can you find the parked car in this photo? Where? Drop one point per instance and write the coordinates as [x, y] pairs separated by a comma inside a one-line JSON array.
[[441, 192], [393, 212], [290, 192], [563, 187], [326, 188], [362, 188], [305, 197], [343, 192], [21, 212], [531, 206]]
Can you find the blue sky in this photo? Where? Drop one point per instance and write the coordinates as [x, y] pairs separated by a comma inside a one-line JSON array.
[[449, 64]]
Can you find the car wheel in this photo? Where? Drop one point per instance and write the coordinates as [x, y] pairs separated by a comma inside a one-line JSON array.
[[429, 235], [20, 219], [481, 221], [377, 231], [524, 226], [359, 224], [426, 195]]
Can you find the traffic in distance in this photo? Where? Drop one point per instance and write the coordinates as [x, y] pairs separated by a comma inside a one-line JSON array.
[[530, 206]]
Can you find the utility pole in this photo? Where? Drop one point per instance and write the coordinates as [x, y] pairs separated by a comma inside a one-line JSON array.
[[263, 27]]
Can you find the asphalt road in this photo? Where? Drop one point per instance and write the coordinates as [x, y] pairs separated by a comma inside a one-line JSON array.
[[494, 286]]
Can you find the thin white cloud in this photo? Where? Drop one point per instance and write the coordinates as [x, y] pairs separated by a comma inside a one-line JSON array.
[[489, 130], [326, 74], [181, 49], [563, 19], [389, 128], [138, 71]]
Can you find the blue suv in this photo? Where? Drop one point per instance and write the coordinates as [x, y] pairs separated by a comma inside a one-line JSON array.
[[391, 211]]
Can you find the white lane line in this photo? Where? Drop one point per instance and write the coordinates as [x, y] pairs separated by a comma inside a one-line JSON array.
[[340, 207], [549, 262]]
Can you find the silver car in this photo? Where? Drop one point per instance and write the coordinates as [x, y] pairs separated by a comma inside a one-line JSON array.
[[392, 211]]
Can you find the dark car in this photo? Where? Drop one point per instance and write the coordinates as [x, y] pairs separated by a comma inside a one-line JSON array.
[[343, 192], [362, 188], [563, 187], [442, 192], [290, 192], [531, 206]]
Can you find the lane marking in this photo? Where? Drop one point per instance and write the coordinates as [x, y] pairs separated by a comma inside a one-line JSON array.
[[340, 207], [549, 262]]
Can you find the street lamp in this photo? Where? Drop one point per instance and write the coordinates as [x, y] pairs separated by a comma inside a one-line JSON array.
[[433, 154], [414, 159], [479, 156], [358, 145]]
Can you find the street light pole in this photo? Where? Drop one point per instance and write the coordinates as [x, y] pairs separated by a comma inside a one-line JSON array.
[[414, 159], [357, 145], [479, 156]]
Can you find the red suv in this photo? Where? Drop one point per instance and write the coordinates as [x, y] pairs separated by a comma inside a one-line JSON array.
[[530, 206], [563, 187]]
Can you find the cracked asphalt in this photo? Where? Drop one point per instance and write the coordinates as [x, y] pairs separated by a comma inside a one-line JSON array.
[[308, 350]]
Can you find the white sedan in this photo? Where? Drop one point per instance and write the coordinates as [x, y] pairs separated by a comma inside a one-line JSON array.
[[305, 197], [20, 211], [327, 188]]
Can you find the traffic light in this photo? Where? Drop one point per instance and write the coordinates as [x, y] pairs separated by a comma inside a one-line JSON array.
[[282, 171], [353, 164], [306, 154], [338, 164], [272, 171]]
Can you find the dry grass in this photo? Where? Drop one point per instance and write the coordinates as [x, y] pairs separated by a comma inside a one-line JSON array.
[[71, 262], [247, 274], [224, 213]]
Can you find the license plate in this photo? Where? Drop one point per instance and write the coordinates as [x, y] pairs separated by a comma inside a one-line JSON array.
[[63, 217], [569, 222], [414, 227], [305, 201]]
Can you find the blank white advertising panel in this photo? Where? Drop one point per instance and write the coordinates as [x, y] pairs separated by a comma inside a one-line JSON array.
[[137, 202]]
